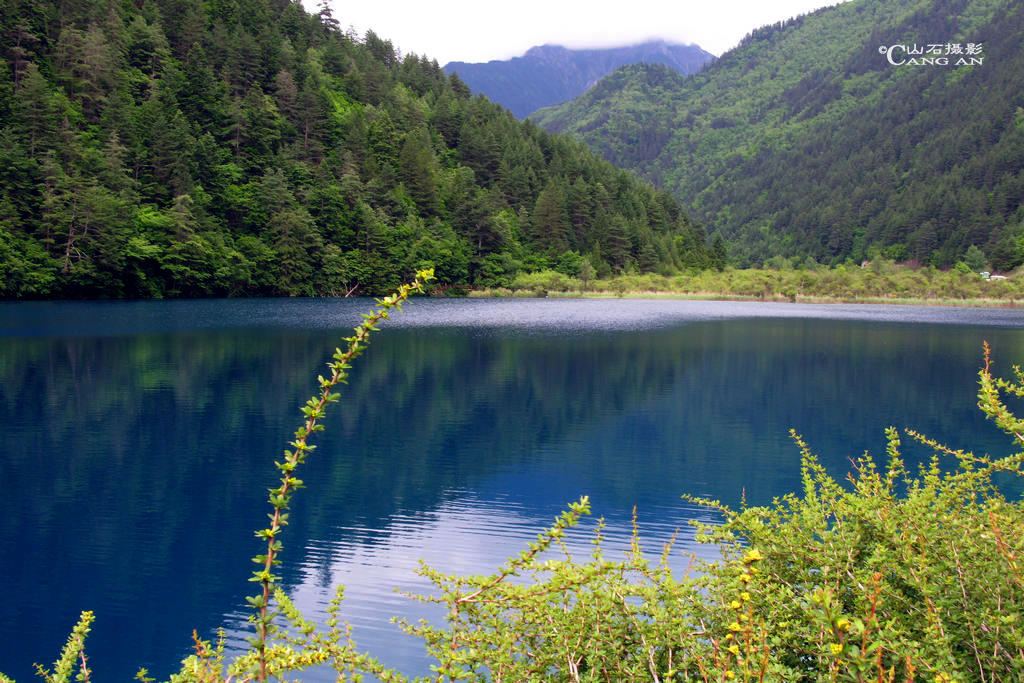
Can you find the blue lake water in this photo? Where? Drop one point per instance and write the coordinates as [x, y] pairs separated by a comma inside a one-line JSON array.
[[137, 441]]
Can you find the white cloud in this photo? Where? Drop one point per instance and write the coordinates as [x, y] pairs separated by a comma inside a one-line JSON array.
[[471, 31]]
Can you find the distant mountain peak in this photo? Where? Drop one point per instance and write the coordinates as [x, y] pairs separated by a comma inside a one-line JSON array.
[[542, 50], [550, 74]]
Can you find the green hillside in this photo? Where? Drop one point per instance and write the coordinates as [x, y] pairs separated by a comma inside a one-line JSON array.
[[246, 147], [806, 141]]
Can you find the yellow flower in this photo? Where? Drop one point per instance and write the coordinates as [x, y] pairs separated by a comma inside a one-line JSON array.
[[843, 624], [745, 596], [745, 577], [836, 648], [729, 674], [753, 556], [735, 627], [735, 604], [734, 648]]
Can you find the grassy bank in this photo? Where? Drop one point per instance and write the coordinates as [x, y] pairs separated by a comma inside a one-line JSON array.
[[875, 283]]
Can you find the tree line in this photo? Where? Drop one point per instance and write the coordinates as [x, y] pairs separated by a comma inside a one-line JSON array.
[[179, 148]]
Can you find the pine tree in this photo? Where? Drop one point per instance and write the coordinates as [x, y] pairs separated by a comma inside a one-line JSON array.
[[551, 219], [419, 170]]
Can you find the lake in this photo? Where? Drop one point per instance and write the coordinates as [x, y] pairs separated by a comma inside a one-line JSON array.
[[138, 440]]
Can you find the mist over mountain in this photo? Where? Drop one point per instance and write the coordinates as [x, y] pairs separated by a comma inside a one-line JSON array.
[[892, 127], [550, 74]]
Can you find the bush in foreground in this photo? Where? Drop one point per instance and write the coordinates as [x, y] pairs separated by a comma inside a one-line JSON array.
[[897, 575]]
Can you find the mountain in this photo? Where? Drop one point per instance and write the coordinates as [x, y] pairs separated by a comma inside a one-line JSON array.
[[550, 74], [809, 140], [248, 148]]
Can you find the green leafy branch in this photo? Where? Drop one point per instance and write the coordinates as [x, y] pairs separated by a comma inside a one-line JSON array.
[[72, 654], [280, 497]]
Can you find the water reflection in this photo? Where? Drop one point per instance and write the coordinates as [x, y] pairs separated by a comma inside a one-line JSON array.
[[136, 461]]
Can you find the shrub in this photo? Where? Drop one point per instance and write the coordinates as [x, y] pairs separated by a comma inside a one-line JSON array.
[[543, 282]]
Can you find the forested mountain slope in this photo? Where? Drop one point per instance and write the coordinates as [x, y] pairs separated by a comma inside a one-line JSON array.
[[550, 74], [807, 140], [246, 147]]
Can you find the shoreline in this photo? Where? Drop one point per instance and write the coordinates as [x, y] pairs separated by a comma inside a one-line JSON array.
[[778, 298]]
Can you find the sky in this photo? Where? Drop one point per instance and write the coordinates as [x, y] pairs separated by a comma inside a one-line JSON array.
[[479, 31]]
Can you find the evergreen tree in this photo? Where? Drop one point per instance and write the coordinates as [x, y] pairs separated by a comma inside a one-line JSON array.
[[551, 219], [419, 173]]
